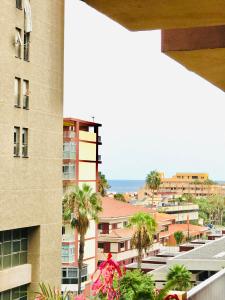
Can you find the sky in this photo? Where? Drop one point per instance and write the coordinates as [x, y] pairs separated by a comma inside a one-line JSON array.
[[155, 114]]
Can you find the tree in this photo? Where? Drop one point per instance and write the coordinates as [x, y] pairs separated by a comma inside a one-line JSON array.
[[103, 184], [179, 236], [144, 229], [80, 206], [180, 277], [136, 285], [153, 181], [120, 197], [218, 203]]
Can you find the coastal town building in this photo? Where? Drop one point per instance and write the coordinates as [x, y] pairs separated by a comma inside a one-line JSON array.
[[31, 109], [182, 212], [81, 161], [194, 184], [113, 235]]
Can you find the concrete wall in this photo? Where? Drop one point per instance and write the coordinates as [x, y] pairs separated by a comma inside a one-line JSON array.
[[31, 188]]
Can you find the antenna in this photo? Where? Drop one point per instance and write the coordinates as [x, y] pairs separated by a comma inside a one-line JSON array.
[[93, 118]]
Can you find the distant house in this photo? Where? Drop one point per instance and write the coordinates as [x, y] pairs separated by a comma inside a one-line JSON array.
[[113, 235]]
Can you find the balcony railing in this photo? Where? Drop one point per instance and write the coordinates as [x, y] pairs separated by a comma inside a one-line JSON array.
[[99, 139], [99, 158], [26, 102], [16, 149], [24, 150]]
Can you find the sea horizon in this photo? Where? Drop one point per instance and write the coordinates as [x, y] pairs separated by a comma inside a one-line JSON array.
[[132, 185], [125, 185]]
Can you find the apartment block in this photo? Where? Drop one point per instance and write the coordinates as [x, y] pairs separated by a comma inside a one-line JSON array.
[[31, 105], [81, 161], [114, 237]]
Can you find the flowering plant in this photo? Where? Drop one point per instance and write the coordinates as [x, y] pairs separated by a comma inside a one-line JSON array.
[[106, 279]]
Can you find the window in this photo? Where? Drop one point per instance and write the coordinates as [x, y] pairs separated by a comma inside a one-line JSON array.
[[69, 150], [101, 245], [18, 43], [25, 142], [17, 85], [68, 171], [100, 226], [19, 4], [19, 293], [26, 53], [26, 94], [16, 149], [68, 253], [70, 275], [122, 245], [13, 248]]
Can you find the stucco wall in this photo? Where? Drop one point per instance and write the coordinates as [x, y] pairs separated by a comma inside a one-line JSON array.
[[31, 188]]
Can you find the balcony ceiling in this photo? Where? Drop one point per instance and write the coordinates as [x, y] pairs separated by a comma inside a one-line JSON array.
[[162, 14], [201, 50]]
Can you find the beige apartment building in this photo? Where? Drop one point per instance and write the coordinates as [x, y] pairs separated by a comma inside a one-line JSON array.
[[195, 184], [31, 122]]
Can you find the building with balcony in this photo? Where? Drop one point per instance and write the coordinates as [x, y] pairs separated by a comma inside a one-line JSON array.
[[81, 156], [31, 109], [81, 161], [181, 212], [195, 184], [115, 238]]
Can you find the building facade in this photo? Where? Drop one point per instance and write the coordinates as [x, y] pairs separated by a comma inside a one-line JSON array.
[[31, 108], [81, 161], [195, 184], [113, 235]]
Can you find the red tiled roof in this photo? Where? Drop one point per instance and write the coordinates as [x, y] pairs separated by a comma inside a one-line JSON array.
[[193, 229], [116, 209]]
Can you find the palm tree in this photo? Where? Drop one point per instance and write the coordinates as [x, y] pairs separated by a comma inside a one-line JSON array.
[[180, 277], [153, 181], [103, 184], [143, 237], [179, 236], [80, 206]]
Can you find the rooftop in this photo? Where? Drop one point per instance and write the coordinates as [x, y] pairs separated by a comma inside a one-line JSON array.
[[193, 229], [117, 209], [210, 251], [71, 121]]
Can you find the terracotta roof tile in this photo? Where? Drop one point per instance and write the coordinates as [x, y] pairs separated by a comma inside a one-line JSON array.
[[117, 209]]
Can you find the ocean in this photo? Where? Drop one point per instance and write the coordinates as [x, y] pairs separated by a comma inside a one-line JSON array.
[[124, 186]]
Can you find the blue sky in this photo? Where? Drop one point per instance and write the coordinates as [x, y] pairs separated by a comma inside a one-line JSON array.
[[155, 114]]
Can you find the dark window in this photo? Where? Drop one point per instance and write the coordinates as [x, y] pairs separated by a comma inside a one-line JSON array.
[[16, 149], [26, 94], [13, 248], [18, 43], [25, 142], [26, 53], [19, 4], [101, 245]]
